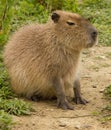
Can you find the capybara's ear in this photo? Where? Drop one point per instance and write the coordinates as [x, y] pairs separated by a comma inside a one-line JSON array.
[[55, 17]]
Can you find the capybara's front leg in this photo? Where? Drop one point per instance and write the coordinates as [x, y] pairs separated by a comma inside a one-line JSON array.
[[60, 93], [77, 91]]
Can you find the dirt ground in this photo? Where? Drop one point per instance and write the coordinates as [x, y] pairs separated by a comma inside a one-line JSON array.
[[95, 76]]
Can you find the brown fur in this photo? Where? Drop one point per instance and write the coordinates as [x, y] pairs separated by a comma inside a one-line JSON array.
[[38, 53]]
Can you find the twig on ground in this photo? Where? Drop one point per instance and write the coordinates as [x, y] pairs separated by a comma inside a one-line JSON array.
[[75, 116]]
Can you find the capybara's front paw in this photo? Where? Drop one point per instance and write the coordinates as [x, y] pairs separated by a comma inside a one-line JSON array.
[[64, 105], [80, 100]]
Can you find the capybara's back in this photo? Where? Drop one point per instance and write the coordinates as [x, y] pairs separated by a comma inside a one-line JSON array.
[[42, 59], [26, 57]]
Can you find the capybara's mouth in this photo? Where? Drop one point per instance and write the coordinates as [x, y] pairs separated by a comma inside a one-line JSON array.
[[92, 44]]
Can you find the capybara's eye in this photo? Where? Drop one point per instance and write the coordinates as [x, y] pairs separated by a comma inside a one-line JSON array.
[[70, 23]]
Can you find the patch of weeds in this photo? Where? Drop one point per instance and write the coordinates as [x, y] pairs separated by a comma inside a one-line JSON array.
[[4, 82], [106, 112], [104, 33], [5, 121], [107, 92], [5, 89], [26, 12], [95, 113], [6, 93], [99, 13], [107, 108], [105, 119], [16, 106]]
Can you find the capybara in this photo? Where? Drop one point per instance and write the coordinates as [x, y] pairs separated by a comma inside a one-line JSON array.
[[43, 59]]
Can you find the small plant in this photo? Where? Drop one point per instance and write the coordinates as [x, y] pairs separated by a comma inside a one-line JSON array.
[[5, 121], [106, 111], [107, 92], [15, 106], [5, 90], [6, 13], [96, 113], [107, 108]]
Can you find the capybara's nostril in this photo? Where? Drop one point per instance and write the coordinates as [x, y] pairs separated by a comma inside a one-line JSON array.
[[94, 34]]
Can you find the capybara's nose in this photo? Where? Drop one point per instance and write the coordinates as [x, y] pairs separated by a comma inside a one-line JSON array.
[[94, 34]]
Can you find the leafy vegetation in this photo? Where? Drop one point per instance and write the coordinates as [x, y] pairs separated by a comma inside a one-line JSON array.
[[5, 120], [108, 92], [14, 14], [15, 106], [106, 111], [99, 11]]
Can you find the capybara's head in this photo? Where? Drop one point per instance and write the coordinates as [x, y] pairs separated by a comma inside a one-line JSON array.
[[73, 30]]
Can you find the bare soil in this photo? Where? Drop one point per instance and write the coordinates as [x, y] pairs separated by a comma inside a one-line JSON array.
[[95, 77]]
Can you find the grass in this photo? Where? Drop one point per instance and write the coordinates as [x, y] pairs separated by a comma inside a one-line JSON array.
[[107, 92], [15, 106], [106, 111], [5, 120], [99, 12]]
